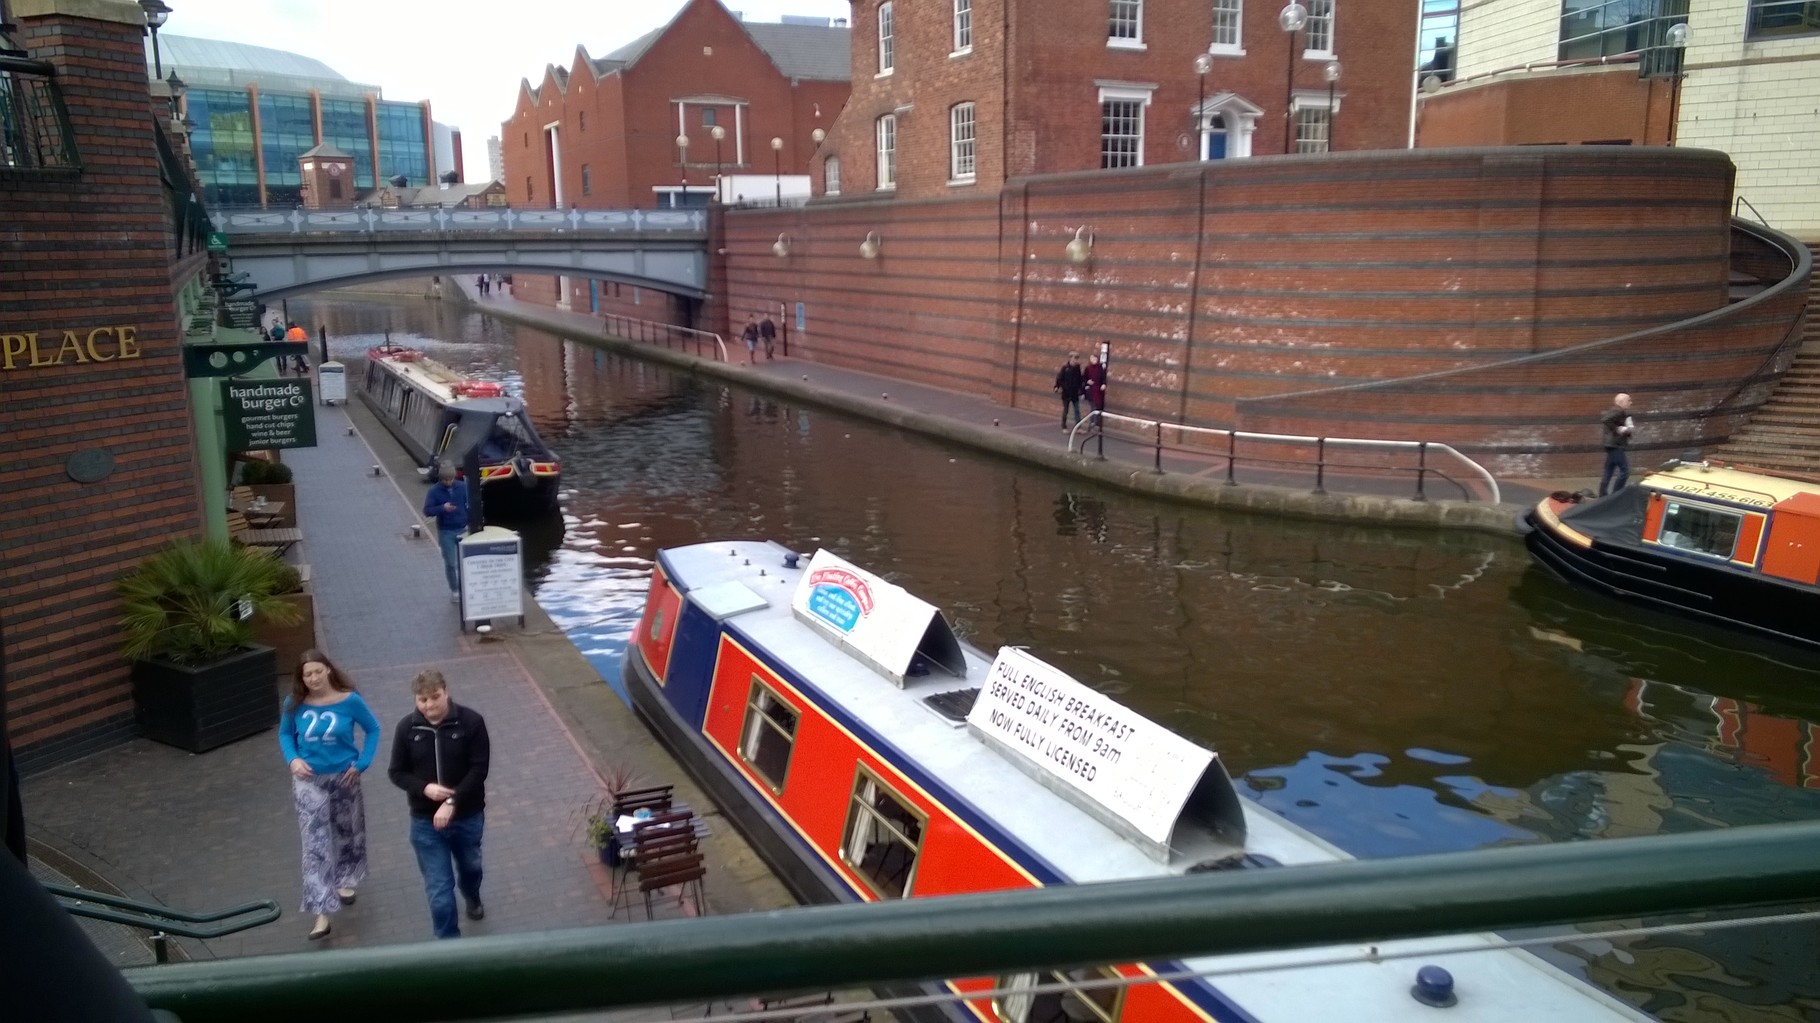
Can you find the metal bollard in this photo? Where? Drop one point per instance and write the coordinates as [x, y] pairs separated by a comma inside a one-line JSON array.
[[376, 471]]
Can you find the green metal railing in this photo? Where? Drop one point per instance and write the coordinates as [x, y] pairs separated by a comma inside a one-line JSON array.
[[980, 935], [161, 921]]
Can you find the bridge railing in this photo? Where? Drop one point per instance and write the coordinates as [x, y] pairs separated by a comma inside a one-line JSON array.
[[700, 343], [448, 219]]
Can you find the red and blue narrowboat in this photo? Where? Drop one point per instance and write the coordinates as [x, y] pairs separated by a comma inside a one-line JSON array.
[[440, 415], [868, 754], [1735, 547]]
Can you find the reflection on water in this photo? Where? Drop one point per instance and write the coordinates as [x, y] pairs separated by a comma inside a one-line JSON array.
[[1396, 692]]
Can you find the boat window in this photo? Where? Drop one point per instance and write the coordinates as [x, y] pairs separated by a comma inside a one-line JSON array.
[[1699, 528], [769, 734], [884, 835], [1071, 1003]]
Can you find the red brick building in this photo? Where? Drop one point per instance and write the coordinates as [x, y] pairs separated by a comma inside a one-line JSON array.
[[100, 467], [952, 98]]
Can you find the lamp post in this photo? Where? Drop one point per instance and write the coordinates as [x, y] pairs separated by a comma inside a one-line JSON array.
[[1677, 40], [1332, 71], [155, 14], [1292, 18], [1203, 63], [682, 153], [777, 167], [718, 133]]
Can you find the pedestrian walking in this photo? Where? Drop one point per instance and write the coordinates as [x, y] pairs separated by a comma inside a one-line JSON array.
[[297, 335], [447, 503], [316, 732], [1616, 427], [481, 283], [440, 758], [1093, 382], [750, 336], [1069, 384], [767, 332]]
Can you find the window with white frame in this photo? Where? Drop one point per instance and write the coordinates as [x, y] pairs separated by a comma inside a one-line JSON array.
[[1069, 997], [887, 151], [887, 53], [1318, 32], [831, 176], [1313, 130], [963, 26], [960, 142], [769, 735], [1228, 27], [883, 836], [1122, 126], [1126, 25]]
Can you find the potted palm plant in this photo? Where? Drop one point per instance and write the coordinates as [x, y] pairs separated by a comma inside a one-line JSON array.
[[199, 680]]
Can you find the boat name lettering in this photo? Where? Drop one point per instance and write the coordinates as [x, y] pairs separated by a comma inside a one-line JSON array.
[[1701, 490], [100, 344], [847, 581]]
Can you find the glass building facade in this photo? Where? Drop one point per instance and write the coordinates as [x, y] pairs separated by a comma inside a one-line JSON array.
[[287, 130], [344, 126], [402, 147], [222, 145]]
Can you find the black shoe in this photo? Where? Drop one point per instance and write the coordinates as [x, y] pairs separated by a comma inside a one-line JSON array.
[[476, 911]]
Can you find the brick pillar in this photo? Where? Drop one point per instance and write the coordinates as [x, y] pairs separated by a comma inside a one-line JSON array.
[[92, 394]]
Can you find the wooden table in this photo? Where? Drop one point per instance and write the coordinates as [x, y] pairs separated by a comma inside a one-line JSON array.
[[260, 515]]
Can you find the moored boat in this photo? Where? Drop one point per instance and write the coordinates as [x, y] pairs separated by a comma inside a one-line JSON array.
[[869, 755], [1732, 546], [440, 415]]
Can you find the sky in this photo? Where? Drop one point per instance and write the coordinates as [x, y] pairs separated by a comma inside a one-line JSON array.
[[457, 54]]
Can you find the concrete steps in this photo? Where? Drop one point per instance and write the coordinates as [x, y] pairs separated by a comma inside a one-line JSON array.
[[1785, 433]]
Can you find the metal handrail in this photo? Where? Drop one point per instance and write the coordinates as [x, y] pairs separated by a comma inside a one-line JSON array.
[[1422, 469], [1357, 903], [666, 332], [162, 921], [1741, 203]]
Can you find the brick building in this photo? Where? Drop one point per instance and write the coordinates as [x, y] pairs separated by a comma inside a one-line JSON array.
[[1742, 81], [100, 468], [603, 132], [956, 97]]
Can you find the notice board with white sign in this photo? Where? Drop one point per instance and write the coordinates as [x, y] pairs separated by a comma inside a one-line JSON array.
[[492, 576], [1134, 770], [878, 622]]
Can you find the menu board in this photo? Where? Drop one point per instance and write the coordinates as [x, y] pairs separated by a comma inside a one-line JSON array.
[[492, 575], [1132, 767]]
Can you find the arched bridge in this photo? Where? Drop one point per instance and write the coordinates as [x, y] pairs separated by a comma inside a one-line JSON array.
[[284, 252]]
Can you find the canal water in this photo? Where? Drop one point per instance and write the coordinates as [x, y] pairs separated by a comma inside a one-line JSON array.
[[1395, 692]]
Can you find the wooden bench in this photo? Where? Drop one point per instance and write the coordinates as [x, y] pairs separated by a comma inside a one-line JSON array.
[[279, 540]]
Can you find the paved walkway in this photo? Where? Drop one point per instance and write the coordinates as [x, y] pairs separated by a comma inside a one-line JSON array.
[[1038, 437], [210, 831]]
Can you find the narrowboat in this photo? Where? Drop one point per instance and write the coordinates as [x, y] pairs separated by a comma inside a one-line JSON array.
[[440, 415], [1732, 546], [868, 754]]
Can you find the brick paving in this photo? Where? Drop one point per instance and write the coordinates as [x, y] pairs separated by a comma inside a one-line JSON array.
[[206, 832]]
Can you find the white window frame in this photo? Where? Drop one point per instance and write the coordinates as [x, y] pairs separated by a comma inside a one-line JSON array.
[[1312, 121], [865, 826], [1232, 11], [1132, 42], [963, 28], [1241, 121], [1320, 12], [831, 175], [963, 152], [884, 137], [1140, 94], [887, 39]]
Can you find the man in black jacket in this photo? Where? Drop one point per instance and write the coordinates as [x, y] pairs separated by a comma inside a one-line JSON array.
[[439, 758], [1069, 383], [1615, 429]]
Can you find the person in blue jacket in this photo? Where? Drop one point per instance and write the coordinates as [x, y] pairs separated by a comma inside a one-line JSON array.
[[447, 503], [316, 733]]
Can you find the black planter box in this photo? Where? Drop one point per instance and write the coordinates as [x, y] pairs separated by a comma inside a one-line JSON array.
[[198, 709]]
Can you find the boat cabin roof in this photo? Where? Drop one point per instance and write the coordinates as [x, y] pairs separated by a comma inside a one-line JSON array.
[[1738, 486]]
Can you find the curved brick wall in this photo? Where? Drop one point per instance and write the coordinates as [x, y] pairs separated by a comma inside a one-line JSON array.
[[1223, 284]]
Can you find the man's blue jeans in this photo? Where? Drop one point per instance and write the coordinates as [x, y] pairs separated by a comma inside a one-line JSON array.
[[1616, 472], [448, 540], [459, 842], [1067, 404]]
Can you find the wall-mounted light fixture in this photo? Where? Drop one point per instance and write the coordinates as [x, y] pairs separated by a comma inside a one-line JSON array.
[[868, 249], [781, 247], [1080, 250], [817, 135], [157, 12]]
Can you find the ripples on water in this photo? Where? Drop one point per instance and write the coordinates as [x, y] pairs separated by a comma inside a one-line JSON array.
[[1396, 692]]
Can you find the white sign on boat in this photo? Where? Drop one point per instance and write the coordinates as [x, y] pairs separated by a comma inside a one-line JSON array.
[[878, 622], [1127, 765]]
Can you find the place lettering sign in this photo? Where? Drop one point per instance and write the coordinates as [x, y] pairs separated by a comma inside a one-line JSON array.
[[43, 349]]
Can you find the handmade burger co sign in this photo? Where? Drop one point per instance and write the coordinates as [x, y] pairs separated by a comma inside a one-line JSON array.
[[41, 349], [260, 415]]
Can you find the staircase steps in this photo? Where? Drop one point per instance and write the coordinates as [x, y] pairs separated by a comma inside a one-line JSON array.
[[1785, 433]]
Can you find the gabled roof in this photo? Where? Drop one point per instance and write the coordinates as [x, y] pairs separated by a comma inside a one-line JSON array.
[[817, 52], [325, 151]]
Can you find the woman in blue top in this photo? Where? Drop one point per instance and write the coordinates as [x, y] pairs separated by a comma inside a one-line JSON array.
[[316, 733]]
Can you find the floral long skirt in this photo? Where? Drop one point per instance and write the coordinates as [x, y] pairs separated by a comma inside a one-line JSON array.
[[332, 815]]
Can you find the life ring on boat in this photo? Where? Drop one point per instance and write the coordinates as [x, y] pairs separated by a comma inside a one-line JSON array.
[[477, 389]]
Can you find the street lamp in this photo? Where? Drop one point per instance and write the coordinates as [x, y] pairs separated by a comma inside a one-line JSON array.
[[1292, 18], [777, 167], [1203, 63], [719, 133], [1676, 38], [156, 12], [1332, 71], [682, 153]]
